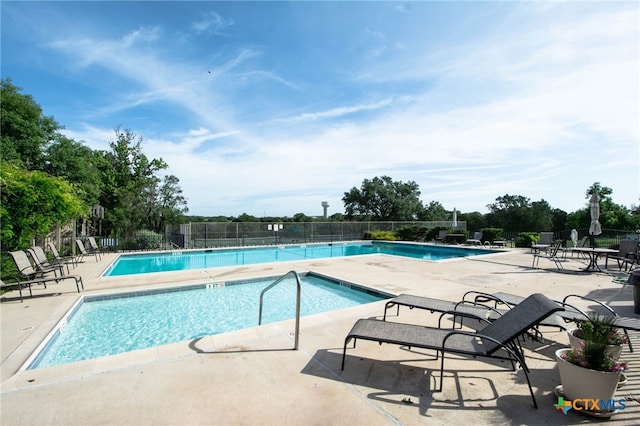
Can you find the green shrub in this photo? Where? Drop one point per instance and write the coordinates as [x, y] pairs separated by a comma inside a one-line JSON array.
[[492, 234], [148, 240], [525, 239], [383, 235], [412, 233]]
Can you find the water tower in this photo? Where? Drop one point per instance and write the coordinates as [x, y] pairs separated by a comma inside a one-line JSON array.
[[325, 206]]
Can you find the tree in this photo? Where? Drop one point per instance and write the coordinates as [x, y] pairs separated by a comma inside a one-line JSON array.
[[32, 202], [518, 213], [612, 215], [301, 217], [75, 162], [244, 217], [510, 212], [165, 203], [129, 184], [475, 221], [382, 199], [25, 131], [435, 211]]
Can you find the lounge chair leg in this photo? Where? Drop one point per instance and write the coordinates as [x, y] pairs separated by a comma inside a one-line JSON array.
[[441, 372], [344, 349], [626, 333]]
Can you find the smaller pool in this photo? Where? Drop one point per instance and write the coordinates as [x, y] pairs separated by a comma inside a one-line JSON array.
[[129, 264], [106, 325]]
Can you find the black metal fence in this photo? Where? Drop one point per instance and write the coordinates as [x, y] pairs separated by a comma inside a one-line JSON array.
[[237, 234]]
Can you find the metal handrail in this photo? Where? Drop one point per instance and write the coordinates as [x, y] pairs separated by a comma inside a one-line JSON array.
[[273, 284]]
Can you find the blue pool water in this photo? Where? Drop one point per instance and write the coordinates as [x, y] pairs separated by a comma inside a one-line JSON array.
[[107, 325], [200, 259]]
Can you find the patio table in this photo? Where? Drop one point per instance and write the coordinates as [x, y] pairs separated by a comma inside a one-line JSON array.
[[593, 253]]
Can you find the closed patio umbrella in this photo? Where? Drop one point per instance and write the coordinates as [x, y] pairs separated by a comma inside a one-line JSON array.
[[594, 207]]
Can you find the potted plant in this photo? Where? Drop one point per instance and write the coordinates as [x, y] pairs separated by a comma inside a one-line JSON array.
[[598, 329], [589, 372]]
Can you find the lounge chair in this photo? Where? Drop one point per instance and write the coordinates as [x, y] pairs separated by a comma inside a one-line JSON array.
[[42, 264], [476, 240], [41, 258], [83, 251], [62, 259], [554, 254], [28, 283], [26, 269], [474, 304], [463, 309], [627, 254], [94, 247], [23, 284], [488, 342], [572, 313]]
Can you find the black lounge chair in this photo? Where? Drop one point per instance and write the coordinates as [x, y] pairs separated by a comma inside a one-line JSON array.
[[463, 309], [488, 342], [572, 313]]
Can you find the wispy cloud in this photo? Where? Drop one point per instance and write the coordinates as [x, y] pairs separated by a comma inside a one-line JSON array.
[[212, 23], [336, 112]]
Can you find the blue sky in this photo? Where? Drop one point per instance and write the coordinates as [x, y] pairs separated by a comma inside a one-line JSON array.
[[269, 108]]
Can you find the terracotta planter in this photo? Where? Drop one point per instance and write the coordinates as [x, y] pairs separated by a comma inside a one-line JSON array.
[[613, 351], [583, 383]]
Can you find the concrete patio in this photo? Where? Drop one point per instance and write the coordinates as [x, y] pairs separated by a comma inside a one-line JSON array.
[[253, 377]]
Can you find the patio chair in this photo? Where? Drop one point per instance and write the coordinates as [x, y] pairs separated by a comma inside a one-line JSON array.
[[546, 238], [627, 255], [442, 236], [83, 251], [41, 258], [554, 255], [477, 239], [497, 340]]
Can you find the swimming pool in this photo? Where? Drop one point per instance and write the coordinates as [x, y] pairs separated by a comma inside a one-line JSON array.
[[129, 264], [109, 324]]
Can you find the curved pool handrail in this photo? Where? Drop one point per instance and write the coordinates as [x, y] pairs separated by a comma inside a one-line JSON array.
[[273, 284]]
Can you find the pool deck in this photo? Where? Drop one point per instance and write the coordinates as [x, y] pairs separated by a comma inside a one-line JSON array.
[[253, 377]]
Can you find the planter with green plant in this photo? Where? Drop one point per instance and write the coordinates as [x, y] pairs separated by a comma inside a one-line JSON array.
[[598, 329], [591, 370]]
